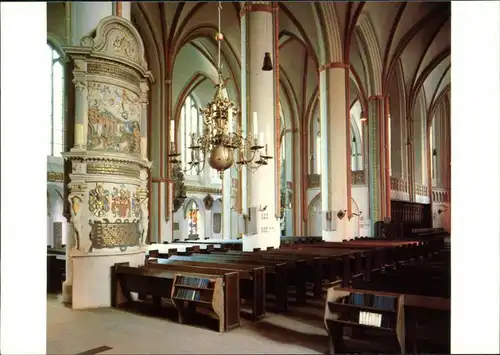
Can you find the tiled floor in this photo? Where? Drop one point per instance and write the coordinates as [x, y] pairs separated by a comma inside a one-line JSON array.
[[299, 331]]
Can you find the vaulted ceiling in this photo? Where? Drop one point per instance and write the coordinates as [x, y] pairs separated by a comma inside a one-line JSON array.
[[382, 42]]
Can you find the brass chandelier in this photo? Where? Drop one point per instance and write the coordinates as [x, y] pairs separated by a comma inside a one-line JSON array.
[[222, 137]]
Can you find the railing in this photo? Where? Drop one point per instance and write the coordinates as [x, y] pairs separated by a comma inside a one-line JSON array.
[[399, 185], [440, 195], [421, 190]]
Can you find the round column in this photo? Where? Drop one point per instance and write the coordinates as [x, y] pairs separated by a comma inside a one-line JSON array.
[[85, 16], [226, 206], [261, 100], [333, 153], [125, 10]]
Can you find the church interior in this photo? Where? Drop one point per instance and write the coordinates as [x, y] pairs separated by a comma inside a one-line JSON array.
[[249, 177]]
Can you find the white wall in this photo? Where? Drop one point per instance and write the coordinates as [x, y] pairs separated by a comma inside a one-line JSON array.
[[314, 226], [443, 219], [359, 194], [205, 222]]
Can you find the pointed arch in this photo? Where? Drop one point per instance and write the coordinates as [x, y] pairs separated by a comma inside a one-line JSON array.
[[330, 31], [370, 43]]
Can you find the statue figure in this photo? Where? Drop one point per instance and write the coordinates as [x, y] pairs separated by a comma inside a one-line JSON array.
[[179, 188], [142, 199], [75, 201]]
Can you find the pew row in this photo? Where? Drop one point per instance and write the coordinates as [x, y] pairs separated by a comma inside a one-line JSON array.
[[215, 295]]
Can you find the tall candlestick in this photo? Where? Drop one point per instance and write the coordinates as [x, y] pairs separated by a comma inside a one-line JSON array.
[[254, 124], [172, 131]]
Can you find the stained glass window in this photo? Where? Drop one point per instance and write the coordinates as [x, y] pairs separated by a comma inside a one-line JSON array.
[[193, 215]]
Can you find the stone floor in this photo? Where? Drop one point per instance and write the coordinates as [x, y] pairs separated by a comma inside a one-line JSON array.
[[111, 331]]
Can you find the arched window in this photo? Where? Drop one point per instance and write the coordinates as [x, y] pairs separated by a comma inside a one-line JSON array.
[[356, 146], [354, 153], [193, 216], [56, 111], [191, 121]]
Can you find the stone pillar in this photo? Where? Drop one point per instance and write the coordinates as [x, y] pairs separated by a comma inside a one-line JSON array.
[[226, 205], [208, 230], [85, 16], [108, 181], [334, 140], [258, 19], [377, 156], [125, 10]]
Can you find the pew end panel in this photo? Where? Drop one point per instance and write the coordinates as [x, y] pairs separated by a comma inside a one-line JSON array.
[[367, 314], [217, 297], [206, 292]]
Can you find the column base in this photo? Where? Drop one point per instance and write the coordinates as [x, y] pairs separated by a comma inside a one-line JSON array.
[[92, 276], [67, 292], [262, 241]]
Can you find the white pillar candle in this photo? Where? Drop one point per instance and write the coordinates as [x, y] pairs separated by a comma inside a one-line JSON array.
[[172, 131], [261, 138], [254, 124]]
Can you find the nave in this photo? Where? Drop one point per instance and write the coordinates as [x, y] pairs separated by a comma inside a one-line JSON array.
[[295, 299]]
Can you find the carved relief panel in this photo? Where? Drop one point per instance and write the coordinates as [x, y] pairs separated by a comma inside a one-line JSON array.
[[114, 116]]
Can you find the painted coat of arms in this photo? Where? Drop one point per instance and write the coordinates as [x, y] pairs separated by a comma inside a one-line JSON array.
[[98, 201], [120, 203]]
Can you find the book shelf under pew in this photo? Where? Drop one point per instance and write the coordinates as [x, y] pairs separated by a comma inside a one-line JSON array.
[[365, 319], [208, 295]]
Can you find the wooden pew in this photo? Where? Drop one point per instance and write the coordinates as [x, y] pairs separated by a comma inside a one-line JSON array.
[[158, 283], [341, 262], [314, 266], [251, 278], [371, 314], [56, 272], [426, 278], [426, 290], [232, 244], [296, 272], [276, 273]]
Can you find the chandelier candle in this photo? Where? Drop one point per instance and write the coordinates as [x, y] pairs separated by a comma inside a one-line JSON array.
[[172, 131]]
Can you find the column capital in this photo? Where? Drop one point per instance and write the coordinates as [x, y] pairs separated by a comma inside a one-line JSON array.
[[333, 65], [376, 97], [255, 6]]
